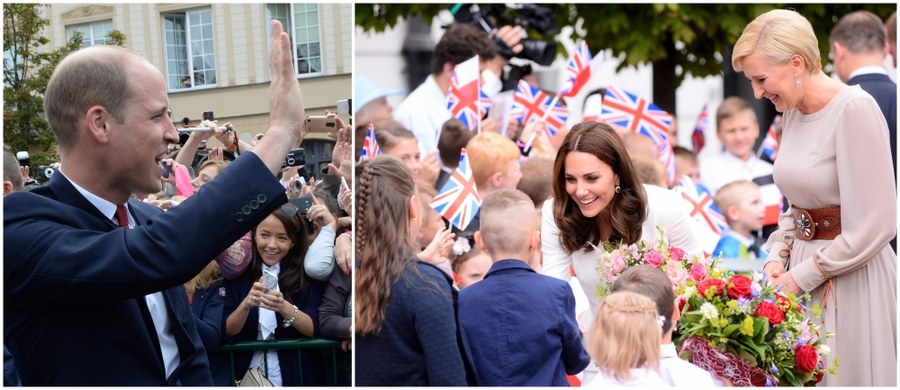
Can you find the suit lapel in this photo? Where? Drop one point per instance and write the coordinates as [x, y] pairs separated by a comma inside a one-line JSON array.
[[65, 192]]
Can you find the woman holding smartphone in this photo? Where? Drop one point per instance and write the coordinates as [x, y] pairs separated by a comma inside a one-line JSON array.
[[275, 299]]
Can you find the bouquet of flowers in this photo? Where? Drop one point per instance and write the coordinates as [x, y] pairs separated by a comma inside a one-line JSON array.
[[613, 259], [742, 328]]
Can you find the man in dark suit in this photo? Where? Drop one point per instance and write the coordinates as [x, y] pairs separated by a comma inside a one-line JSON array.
[[858, 46], [93, 280]]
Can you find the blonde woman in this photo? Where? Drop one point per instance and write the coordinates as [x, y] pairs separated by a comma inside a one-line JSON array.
[[624, 342], [834, 164]]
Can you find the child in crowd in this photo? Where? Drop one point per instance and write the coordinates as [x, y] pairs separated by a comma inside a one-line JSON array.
[[406, 327], [738, 129], [653, 283], [396, 140], [454, 136], [434, 239], [520, 325], [624, 341], [494, 160], [470, 267], [537, 183], [686, 164], [740, 203], [650, 171]]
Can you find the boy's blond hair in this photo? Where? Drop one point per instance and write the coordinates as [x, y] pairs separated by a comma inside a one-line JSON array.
[[490, 153], [731, 107], [626, 334], [732, 194], [508, 218]]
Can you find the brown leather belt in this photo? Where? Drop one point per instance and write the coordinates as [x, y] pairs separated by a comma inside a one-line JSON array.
[[817, 224]]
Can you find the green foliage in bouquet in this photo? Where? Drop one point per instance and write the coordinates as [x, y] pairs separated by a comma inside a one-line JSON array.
[[748, 318]]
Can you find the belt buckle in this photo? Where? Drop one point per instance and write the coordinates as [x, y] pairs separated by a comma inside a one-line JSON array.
[[806, 229]]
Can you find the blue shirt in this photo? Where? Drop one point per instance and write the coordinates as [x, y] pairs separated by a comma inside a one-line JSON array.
[[521, 327]]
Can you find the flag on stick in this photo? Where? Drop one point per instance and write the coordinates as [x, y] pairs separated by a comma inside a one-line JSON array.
[[530, 104], [458, 200], [640, 116], [370, 147], [698, 137], [465, 100]]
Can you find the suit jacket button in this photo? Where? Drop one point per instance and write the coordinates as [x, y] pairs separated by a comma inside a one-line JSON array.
[[239, 217], [254, 204], [246, 210], [261, 198]]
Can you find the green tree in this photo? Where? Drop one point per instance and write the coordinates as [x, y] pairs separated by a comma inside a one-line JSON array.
[[27, 67], [679, 40]]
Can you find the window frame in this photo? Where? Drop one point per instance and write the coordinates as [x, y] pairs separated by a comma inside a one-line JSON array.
[[292, 33], [189, 57], [92, 40]]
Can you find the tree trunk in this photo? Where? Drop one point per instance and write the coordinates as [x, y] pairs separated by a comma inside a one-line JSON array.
[[664, 78]]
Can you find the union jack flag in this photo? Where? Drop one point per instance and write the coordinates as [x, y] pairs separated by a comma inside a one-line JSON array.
[[458, 200], [640, 116], [530, 104], [578, 71], [710, 221], [769, 145], [465, 100], [370, 145], [698, 137]]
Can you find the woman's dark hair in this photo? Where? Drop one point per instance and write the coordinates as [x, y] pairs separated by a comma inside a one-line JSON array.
[[291, 277], [627, 209]]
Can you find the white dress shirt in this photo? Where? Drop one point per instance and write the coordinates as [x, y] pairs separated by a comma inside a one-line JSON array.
[[680, 373], [424, 112], [640, 377], [266, 329], [718, 170]]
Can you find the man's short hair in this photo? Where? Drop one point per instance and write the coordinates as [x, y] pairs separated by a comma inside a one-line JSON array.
[[537, 179], [454, 136], [96, 75], [730, 107], [12, 172], [507, 218], [891, 26], [459, 43], [860, 32]]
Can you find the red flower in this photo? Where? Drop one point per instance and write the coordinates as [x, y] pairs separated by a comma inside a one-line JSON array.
[[739, 287], [819, 377], [707, 283], [676, 254], [770, 311], [806, 358], [654, 258], [681, 304]]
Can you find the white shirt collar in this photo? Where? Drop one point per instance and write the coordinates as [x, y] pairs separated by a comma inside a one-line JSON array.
[[106, 207], [868, 70], [275, 269]]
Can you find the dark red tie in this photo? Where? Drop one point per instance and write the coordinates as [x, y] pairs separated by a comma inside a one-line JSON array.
[[122, 216]]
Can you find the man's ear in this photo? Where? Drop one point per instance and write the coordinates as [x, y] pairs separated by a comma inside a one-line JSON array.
[[534, 241], [448, 69], [7, 187], [97, 119]]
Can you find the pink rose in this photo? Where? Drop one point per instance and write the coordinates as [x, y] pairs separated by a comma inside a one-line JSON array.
[[618, 263], [676, 254], [698, 272], [676, 273], [654, 258]]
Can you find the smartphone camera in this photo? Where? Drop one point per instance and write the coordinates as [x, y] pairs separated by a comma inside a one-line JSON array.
[[208, 116]]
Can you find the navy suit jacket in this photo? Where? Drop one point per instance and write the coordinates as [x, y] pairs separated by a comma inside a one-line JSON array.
[[74, 282], [521, 327], [884, 90]]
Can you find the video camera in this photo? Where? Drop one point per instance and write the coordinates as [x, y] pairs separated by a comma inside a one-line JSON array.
[[532, 17]]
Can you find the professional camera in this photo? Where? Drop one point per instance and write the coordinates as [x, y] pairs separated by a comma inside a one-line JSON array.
[[528, 16], [294, 158]]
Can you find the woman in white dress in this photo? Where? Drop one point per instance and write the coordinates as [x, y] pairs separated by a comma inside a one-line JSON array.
[[597, 196]]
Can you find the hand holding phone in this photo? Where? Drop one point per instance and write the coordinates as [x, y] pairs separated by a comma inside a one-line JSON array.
[[270, 281]]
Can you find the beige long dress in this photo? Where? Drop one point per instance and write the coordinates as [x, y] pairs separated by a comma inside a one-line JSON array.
[[840, 156]]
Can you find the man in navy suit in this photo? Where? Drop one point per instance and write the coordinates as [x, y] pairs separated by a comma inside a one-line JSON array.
[[88, 302], [858, 46]]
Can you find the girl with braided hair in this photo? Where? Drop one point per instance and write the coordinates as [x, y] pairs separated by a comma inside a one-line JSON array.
[[624, 341], [406, 330]]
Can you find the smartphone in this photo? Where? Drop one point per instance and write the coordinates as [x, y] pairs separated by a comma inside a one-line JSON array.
[[166, 169], [270, 281], [320, 124], [209, 116], [302, 203], [344, 106], [294, 158]]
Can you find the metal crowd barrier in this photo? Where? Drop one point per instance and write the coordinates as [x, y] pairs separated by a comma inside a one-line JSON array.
[[300, 345]]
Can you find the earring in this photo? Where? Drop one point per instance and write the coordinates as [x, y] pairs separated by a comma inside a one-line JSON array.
[[618, 188], [798, 81]]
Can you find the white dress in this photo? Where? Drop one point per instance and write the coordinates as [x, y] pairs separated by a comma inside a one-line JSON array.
[[665, 209], [640, 377]]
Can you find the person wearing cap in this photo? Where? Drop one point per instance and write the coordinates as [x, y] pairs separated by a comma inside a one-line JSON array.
[[371, 101]]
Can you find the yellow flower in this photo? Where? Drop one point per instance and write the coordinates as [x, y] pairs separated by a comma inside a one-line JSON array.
[[747, 326]]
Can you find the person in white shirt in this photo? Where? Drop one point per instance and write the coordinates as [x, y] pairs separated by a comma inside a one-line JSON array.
[[652, 283], [738, 129], [624, 341]]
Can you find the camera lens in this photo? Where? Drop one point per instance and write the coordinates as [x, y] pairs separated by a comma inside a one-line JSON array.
[[542, 52]]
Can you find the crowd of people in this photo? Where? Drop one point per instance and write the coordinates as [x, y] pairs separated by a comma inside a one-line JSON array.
[[494, 301], [135, 264]]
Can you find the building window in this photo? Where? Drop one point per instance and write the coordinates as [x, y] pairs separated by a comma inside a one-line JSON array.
[[91, 33], [190, 57], [301, 21]]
